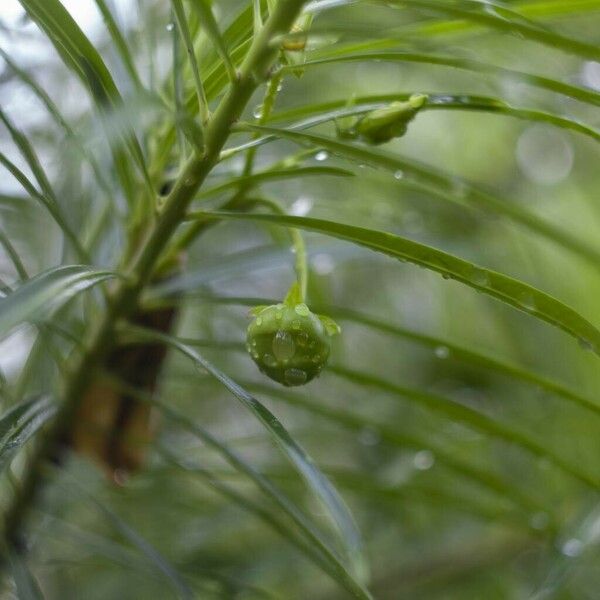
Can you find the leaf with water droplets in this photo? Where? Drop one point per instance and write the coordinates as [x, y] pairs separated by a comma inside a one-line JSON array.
[[499, 286]]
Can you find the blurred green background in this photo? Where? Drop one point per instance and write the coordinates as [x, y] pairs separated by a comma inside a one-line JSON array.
[[446, 509]]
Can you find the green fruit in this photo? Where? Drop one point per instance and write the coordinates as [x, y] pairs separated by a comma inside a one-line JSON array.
[[289, 344]]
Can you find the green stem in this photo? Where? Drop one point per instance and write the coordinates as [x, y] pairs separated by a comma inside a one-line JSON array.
[[194, 230], [298, 245], [101, 336]]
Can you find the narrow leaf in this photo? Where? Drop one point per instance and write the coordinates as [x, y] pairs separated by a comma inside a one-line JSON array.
[[444, 185], [212, 29], [20, 423], [315, 480], [46, 292], [511, 291]]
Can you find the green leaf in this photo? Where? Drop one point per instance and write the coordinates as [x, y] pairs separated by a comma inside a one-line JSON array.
[[19, 423], [348, 54], [13, 255], [153, 556], [337, 110], [397, 436], [119, 42], [456, 351], [266, 516], [204, 9], [79, 54], [48, 203], [444, 186], [474, 11], [329, 561], [45, 292], [472, 418], [275, 175], [182, 24], [516, 293], [26, 584], [315, 480]]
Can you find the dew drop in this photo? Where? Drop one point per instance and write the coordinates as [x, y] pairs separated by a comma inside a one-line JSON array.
[[283, 345], [423, 460], [572, 548], [302, 310], [398, 174], [321, 155], [369, 436], [170, 26], [258, 112], [539, 520], [480, 278], [527, 302], [586, 344], [442, 352], [269, 360], [295, 376], [254, 343]]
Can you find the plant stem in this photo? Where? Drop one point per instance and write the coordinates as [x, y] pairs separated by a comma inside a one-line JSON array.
[[297, 244], [193, 230], [125, 296]]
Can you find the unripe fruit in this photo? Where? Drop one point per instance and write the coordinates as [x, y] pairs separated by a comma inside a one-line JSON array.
[[289, 343]]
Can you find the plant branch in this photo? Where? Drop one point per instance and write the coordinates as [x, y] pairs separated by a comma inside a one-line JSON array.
[[123, 300]]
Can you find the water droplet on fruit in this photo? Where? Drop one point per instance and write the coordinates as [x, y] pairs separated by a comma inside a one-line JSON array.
[[283, 345], [302, 310], [269, 360], [295, 376]]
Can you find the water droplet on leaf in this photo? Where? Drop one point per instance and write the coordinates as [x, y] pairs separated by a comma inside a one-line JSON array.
[[572, 548], [442, 352], [322, 155], [423, 460]]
